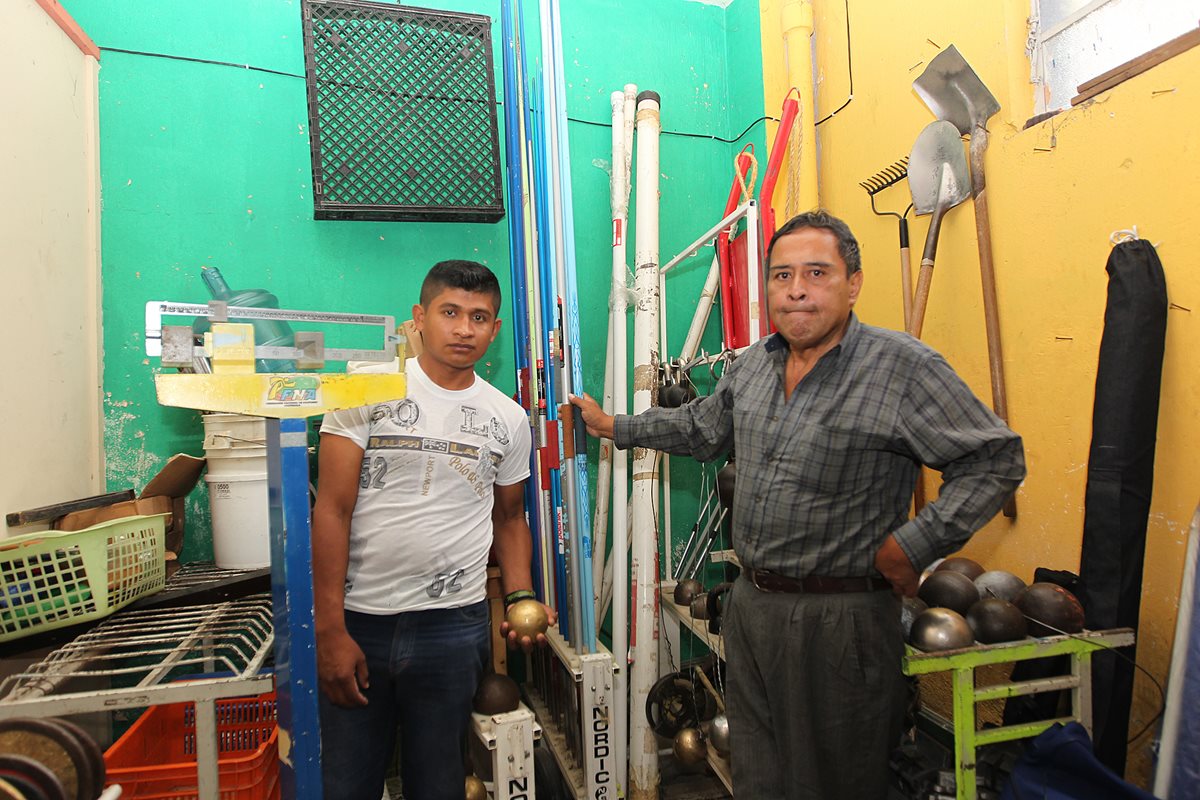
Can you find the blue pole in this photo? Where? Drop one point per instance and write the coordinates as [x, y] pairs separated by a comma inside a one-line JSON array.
[[514, 154], [292, 606], [551, 336], [574, 362]]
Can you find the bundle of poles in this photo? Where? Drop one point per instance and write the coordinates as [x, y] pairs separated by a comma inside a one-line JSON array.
[[546, 319], [547, 342]]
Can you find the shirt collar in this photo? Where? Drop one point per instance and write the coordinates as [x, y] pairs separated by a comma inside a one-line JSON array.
[[775, 342]]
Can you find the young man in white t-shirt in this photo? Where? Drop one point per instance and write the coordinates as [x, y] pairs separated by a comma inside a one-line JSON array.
[[413, 494]]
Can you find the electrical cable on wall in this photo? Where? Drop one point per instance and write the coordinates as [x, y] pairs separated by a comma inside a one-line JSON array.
[[686, 134], [849, 72]]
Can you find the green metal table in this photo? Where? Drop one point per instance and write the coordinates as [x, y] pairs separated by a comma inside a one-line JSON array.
[[962, 663]]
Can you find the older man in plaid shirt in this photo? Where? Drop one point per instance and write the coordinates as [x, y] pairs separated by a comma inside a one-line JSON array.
[[831, 421]]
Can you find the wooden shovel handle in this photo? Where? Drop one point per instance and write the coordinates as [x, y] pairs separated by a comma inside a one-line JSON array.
[[921, 300], [991, 313]]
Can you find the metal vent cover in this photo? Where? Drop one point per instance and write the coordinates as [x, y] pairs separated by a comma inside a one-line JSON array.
[[402, 113]]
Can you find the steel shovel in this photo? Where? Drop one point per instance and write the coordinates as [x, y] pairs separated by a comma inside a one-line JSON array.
[[955, 93], [938, 180]]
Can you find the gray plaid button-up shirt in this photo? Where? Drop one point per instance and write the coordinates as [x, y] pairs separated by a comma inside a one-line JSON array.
[[823, 477]]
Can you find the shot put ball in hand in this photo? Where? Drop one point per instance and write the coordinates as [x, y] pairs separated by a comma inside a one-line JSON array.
[[527, 618]]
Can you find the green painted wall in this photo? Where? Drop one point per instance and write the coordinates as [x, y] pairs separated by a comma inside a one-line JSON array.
[[208, 164]]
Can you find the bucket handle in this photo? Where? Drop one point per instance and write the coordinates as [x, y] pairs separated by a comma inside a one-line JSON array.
[[210, 441]]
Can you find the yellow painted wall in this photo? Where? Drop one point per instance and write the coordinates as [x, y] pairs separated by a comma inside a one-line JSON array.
[[50, 263], [1057, 191]]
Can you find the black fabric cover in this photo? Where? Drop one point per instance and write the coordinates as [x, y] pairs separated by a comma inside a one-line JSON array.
[[1121, 476]]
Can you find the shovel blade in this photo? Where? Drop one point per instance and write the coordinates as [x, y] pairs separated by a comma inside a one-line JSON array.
[[937, 168], [954, 92]]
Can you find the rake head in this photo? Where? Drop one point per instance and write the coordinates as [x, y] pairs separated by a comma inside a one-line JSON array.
[[881, 180], [886, 177]]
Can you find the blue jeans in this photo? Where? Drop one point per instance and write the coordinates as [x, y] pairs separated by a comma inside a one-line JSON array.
[[424, 668]]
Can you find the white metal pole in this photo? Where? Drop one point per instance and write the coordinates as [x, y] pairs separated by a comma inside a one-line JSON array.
[[606, 593], [643, 748], [620, 212], [621, 537], [700, 320], [756, 326], [1177, 675], [603, 483], [619, 361]]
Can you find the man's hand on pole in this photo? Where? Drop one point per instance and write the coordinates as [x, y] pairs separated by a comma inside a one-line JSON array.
[[598, 423]]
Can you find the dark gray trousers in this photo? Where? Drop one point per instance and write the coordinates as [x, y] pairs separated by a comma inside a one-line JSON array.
[[815, 695]]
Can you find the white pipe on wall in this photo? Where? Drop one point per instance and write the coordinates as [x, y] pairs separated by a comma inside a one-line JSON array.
[[643, 755], [796, 21]]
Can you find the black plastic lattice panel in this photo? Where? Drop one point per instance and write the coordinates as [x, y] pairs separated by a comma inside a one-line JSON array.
[[402, 113]]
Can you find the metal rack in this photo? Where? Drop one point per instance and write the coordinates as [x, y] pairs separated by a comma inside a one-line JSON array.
[[962, 663], [576, 718], [508, 741], [715, 643], [143, 657]]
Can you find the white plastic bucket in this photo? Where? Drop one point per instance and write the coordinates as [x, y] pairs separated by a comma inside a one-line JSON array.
[[235, 444], [241, 526], [236, 449]]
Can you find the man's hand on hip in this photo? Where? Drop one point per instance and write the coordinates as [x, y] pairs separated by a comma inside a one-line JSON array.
[[598, 423], [895, 567], [341, 669]]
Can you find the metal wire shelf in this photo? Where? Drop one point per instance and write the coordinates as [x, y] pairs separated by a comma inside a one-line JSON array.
[[145, 656]]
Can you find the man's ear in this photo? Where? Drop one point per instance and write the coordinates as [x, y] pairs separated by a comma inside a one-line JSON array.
[[856, 281], [495, 330], [418, 316]]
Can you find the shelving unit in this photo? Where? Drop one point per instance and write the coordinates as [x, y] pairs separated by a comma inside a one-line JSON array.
[[144, 657], [699, 627], [962, 664], [684, 615]]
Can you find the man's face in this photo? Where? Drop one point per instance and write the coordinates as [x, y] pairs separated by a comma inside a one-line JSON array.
[[809, 295], [457, 327]]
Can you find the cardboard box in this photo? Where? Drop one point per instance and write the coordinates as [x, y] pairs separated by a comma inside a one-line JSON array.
[[164, 494]]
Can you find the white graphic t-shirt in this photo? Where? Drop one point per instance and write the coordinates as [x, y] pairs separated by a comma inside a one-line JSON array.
[[422, 526]]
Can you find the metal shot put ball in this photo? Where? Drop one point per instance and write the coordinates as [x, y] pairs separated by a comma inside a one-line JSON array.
[[475, 789], [949, 589], [685, 590], [1001, 584], [941, 629], [689, 747], [527, 618], [718, 734]]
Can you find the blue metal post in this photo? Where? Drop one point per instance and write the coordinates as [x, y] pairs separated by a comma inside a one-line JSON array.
[[292, 601]]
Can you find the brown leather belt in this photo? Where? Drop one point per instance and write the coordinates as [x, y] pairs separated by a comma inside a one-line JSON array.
[[768, 581]]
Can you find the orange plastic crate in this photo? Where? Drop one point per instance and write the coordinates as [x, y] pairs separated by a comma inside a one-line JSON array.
[[156, 758]]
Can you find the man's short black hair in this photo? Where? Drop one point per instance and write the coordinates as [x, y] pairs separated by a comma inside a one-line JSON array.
[[470, 276], [819, 218]]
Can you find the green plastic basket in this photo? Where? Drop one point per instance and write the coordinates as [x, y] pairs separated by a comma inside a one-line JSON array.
[[50, 579]]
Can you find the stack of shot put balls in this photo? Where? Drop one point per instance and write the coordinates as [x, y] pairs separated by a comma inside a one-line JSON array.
[[959, 604]]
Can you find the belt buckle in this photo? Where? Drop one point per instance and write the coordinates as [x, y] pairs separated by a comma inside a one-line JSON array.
[[754, 573]]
